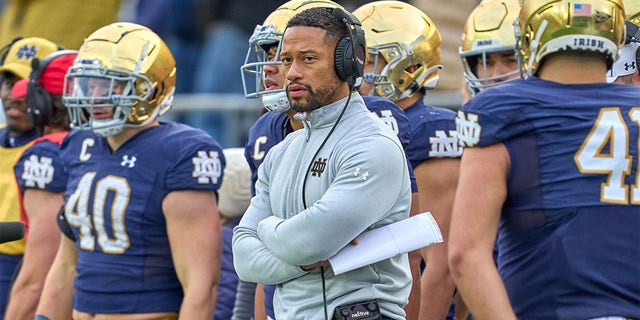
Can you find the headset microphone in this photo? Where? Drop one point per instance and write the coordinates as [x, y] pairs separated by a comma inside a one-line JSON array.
[[11, 231]]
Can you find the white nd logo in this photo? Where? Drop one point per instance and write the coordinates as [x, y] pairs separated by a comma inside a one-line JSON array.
[[468, 129], [207, 167]]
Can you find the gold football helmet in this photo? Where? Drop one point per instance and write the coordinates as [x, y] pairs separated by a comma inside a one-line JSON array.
[[124, 66], [267, 35], [403, 36], [550, 26], [489, 28]]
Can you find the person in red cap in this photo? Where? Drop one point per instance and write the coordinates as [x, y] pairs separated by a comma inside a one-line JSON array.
[[15, 137], [41, 177]]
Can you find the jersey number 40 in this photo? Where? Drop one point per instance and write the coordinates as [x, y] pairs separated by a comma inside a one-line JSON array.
[[77, 213]]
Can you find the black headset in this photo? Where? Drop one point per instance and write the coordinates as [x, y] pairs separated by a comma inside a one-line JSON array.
[[39, 101], [350, 51]]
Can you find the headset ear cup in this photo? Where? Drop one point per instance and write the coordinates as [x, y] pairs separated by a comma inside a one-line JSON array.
[[360, 53], [39, 103], [349, 65], [342, 59]]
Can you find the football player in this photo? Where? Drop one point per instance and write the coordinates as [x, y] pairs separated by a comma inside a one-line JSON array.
[[41, 177], [17, 136], [488, 50], [403, 63], [551, 166], [142, 236], [488, 53], [272, 127]]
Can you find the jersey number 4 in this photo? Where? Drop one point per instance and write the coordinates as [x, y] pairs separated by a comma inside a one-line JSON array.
[[610, 129], [77, 212]]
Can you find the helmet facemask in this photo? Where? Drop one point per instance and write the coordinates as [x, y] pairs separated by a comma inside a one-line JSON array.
[[395, 82], [252, 71], [93, 87], [488, 33], [473, 63]]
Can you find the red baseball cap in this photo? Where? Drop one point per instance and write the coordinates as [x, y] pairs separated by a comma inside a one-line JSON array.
[[51, 78]]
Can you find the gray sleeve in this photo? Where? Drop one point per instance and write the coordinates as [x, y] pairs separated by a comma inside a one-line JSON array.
[[366, 187], [245, 296], [253, 261]]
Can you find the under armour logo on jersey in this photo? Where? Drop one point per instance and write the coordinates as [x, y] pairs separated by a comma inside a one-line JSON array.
[[362, 174], [631, 66], [444, 145], [37, 172], [468, 129], [128, 162], [207, 167], [27, 52], [318, 167]]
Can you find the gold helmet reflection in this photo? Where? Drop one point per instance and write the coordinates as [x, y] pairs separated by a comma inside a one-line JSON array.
[[550, 26], [489, 28], [267, 35], [403, 36], [128, 56], [632, 11]]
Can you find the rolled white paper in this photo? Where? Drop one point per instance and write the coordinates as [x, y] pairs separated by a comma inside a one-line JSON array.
[[376, 245]]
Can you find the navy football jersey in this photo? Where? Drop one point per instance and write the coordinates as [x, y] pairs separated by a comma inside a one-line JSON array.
[[114, 207], [266, 132], [433, 133], [569, 240], [394, 117], [40, 167]]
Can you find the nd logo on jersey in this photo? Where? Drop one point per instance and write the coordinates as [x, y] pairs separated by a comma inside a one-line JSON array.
[[207, 167], [444, 145], [37, 171], [468, 129]]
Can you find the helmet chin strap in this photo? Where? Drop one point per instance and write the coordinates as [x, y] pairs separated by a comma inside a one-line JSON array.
[[535, 44], [166, 103], [428, 85], [276, 102]]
